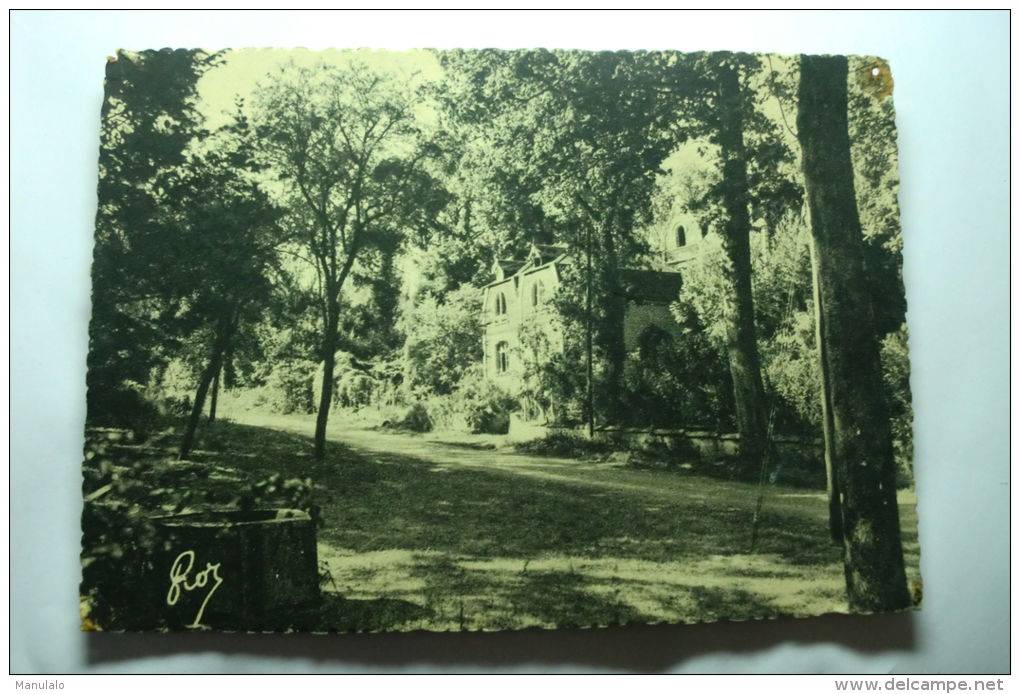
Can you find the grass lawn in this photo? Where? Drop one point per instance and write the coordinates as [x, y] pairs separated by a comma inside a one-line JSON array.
[[422, 533]]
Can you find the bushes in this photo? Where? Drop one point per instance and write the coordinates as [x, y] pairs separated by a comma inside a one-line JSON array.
[[484, 405], [489, 416], [478, 406], [354, 389], [444, 339], [417, 419], [559, 444], [896, 373], [288, 388], [124, 406], [790, 367]]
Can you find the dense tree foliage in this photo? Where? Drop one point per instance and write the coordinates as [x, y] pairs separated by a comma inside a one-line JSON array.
[[582, 136], [395, 203], [444, 339], [233, 234], [141, 264], [344, 143]]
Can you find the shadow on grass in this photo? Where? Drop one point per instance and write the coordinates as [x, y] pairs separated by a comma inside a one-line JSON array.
[[560, 598], [385, 500], [719, 603], [464, 598], [338, 614], [390, 500]]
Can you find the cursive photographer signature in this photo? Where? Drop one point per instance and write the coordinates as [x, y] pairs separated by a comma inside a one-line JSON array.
[[179, 581]]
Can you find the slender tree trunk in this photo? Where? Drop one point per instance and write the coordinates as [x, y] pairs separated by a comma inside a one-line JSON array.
[[329, 343], [211, 370], [862, 440], [589, 342], [330, 340], [215, 395], [742, 346], [828, 427], [611, 330]]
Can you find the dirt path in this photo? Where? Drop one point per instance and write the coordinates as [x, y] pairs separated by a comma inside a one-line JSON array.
[[452, 451]]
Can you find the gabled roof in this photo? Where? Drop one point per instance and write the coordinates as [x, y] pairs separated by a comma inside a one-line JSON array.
[[509, 267], [650, 286], [537, 256], [642, 286], [544, 253]]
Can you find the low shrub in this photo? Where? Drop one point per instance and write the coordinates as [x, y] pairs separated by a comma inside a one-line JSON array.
[[417, 419], [563, 444], [491, 415], [288, 389], [354, 390], [484, 405], [124, 406]]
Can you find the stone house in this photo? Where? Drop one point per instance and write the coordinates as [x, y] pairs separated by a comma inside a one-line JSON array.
[[519, 296]]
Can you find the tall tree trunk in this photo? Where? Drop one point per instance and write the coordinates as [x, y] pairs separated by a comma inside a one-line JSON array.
[[589, 328], [329, 343], [211, 370], [602, 292], [741, 342], [610, 332], [215, 395], [862, 440], [828, 427], [330, 340]]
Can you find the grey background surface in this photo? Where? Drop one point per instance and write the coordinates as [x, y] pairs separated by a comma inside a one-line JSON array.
[[952, 97]]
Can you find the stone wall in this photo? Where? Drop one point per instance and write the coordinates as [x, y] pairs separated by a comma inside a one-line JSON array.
[[705, 442], [639, 317]]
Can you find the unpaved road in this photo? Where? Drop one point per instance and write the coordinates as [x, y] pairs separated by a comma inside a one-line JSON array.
[[459, 451]]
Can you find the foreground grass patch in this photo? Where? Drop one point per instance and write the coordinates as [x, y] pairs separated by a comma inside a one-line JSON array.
[[458, 592], [454, 537]]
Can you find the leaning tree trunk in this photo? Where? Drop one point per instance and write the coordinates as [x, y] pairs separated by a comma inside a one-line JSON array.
[[211, 370], [214, 398], [861, 436], [741, 342], [330, 340]]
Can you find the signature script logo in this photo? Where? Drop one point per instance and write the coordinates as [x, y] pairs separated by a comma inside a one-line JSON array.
[[179, 581]]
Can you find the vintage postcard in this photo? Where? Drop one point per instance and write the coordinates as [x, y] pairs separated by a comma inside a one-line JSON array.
[[484, 340]]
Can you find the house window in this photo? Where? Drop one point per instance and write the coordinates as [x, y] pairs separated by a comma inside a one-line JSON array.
[[681, 236], [500, 304], [536, 293], [502, 357]]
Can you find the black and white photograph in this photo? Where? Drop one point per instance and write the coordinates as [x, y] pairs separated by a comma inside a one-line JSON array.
[[482, 340]]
